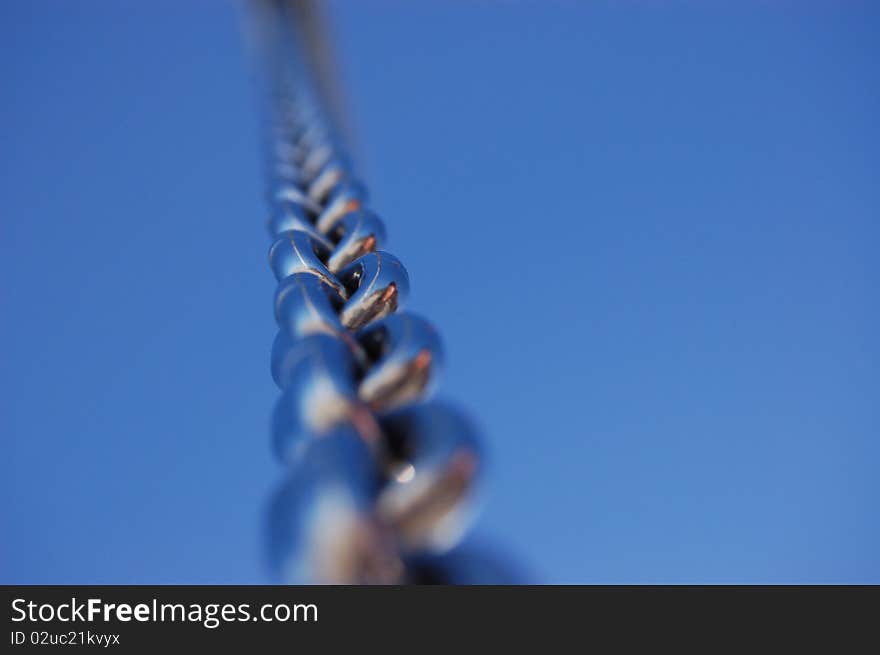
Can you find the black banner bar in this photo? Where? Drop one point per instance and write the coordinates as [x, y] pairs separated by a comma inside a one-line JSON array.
[[149, 619]]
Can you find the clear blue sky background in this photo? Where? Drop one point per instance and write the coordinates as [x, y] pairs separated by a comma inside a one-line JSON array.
[[648, 235]]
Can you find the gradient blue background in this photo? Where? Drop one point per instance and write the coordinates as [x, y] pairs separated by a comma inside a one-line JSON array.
[[648, 235]]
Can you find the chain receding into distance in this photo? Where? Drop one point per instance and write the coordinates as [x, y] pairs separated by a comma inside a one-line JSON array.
[[378, 477]]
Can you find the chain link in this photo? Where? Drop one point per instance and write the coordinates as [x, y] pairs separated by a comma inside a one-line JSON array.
[[378, 478]]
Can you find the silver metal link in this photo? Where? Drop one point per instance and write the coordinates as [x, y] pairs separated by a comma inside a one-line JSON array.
[[322, 527], [379, 285], [436, 460], [378, 478], [356, 233], [407, 358]]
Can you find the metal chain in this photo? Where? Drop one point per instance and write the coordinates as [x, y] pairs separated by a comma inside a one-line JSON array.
[[378, 479]]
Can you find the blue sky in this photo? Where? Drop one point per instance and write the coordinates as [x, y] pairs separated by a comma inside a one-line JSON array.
[[646, 231]]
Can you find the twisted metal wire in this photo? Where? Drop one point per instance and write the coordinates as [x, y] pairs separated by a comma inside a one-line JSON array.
[[377, 477]]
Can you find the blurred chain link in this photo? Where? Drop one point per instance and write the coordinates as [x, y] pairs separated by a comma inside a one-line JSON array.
[[378, 478]]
